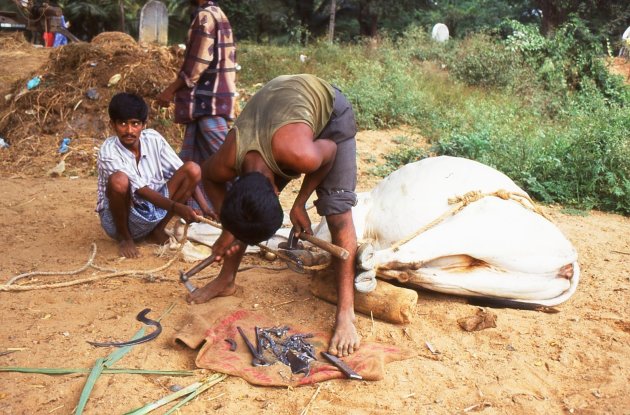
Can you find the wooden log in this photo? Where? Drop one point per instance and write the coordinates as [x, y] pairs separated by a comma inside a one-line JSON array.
[[387, 302]]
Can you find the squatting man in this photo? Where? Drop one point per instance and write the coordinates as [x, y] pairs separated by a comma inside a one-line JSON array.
[[142, 183]]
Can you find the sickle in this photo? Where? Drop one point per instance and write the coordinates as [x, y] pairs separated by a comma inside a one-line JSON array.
[[141, 317]]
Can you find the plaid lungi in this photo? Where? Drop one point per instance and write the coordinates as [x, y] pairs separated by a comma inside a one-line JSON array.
[[202, 138], [143, 218]]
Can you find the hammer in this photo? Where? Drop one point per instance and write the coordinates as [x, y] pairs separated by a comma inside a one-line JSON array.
[[184, 276], [333, 249]]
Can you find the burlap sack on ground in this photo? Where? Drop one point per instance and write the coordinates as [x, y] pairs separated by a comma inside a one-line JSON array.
[[218, 322]]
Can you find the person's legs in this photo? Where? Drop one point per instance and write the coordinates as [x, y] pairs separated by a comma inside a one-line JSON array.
[[335, 198], [345, 338], [117, 192], [224, 284], [182, 185]]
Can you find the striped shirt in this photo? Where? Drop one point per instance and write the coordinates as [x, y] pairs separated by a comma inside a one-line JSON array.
[[209, 68], [158, 162]]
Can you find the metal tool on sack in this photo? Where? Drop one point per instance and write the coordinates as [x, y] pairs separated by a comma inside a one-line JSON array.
[[257, 359], [299, 362], [342, 366], [185, 276]]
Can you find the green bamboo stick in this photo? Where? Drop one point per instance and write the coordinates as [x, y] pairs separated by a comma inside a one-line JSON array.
[[96, 371], [101, 364], [192, 390], [67, 371], [163, 401], [210, 382]]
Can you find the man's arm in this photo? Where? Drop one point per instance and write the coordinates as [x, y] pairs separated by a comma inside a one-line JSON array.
[[167, 96], [295, 150], [199, 55], [217, 171], [171, 206], [299, 218]]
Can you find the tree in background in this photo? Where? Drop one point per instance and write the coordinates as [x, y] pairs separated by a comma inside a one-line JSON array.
[[90, 17], [283, 21], [603, 17]]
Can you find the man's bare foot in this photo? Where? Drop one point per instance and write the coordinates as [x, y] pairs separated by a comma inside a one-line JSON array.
[[218, 287], [566, 271], [128, 249], [345, 340]]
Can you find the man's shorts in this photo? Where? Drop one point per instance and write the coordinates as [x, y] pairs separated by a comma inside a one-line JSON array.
[[143, 218], [336, 193]]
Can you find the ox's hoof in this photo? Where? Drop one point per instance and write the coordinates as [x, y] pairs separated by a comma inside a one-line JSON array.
[[365, 281], [365, 256]]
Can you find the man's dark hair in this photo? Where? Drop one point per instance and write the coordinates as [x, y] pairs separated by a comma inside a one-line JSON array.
[[251, 210], [125, 106]]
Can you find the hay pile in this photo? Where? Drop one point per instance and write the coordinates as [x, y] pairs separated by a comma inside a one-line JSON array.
[[13, 41], [36, 120]]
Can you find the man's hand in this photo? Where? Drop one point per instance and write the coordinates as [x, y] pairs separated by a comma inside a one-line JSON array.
[[165, 98], [185, 212], [300, 220], [226, 245], [209, 213]]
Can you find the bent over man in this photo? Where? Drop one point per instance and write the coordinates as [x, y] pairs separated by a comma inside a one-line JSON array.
[[296, 124], [141, 181]]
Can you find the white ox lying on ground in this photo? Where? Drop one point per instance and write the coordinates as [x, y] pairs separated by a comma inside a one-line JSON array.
[[492, 247]]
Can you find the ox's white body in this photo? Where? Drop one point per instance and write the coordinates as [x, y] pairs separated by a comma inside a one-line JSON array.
[[491, 248]]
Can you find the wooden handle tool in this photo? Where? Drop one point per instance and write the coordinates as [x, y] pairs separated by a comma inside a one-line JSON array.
[[333, 249]]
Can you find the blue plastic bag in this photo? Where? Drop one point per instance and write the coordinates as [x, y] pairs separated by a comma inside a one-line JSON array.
[[63, 147], [33, 83]]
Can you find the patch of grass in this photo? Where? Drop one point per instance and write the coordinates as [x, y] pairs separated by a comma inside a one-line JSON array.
[[404, 155], [574, 212]]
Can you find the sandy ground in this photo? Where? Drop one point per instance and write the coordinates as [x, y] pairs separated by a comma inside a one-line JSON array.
[[576, 361]]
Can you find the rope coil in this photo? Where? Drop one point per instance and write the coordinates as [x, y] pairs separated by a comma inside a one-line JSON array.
[[10, 285]]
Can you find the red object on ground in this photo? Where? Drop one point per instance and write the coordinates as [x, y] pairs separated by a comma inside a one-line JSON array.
[[49, 39]]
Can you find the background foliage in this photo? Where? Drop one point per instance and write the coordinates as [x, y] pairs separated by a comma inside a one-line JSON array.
[[522, 85]]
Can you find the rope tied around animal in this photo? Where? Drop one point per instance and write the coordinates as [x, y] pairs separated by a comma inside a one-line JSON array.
[[466, 199]]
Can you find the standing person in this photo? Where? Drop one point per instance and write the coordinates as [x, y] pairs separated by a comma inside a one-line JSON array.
[[205, 88], [141, 181], [296, 124]]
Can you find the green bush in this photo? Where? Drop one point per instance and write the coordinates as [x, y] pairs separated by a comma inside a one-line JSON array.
[[482, 61], [546, 112]]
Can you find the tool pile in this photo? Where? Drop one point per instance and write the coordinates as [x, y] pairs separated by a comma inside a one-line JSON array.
[[275, 344]]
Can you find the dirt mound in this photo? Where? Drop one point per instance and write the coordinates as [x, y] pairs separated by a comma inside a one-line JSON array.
[[71, 99], [115, 41]]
